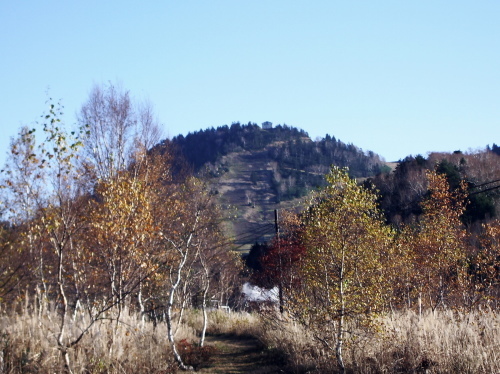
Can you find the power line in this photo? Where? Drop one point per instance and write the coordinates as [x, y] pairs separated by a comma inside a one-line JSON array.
[[270, 228], [486, 189], [484, 184], [267, 228]]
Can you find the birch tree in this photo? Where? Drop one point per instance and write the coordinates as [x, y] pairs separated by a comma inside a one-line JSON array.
[[179, 221], [347, 247], [52, 209], [214, 262], [23, 193], [121, 131]]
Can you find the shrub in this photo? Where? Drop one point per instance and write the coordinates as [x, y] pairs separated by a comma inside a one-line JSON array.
[[194, 355]]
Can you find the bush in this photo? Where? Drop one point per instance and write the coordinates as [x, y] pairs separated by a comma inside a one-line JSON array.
[[194, 355]]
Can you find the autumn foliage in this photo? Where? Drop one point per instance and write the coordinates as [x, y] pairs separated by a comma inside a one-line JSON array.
[[108, 228], [346, 265]]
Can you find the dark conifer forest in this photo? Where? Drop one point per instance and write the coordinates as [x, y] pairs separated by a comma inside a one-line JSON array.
[[289, 146]]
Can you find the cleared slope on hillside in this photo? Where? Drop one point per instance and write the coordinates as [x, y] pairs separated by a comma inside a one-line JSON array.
[[247, 195]]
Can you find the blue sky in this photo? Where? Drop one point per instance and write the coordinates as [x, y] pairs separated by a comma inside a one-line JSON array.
[[395, 77]]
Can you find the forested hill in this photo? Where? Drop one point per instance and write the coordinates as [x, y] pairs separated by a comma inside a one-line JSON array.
[[254, 170], [290, 147]]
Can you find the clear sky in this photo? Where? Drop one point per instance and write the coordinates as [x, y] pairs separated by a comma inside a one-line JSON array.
[[395, 77]]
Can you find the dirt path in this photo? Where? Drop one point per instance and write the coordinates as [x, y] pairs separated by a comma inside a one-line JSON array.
[[236, 355]]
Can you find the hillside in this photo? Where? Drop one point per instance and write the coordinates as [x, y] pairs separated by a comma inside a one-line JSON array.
[[255, 171], [247, 194]]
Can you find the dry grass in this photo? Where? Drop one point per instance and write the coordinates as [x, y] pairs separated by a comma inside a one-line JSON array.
[[444, 342], [221, 322], [28, 344], [441, 342], [28, 340]]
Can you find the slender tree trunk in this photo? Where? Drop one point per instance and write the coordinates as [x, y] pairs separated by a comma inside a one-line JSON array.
[[60, 338], [340, 343], [175, 284], [340, 327], [170, 331], [182, 308], [173, 289], [204, 310], [141, 305]]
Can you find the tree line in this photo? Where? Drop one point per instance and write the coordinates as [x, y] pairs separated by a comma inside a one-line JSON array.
[[402, 191]]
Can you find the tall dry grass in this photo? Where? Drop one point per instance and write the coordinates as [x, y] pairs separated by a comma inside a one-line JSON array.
[[221, 322], [28, 339], [440, 342], [28, 343]]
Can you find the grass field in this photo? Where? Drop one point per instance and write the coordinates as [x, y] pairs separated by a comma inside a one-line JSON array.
[[440, 342]]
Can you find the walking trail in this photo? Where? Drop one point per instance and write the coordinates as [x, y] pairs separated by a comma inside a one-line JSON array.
[[235, 355]]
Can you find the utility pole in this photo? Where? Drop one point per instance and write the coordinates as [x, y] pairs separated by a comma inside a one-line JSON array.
[[280, 283]]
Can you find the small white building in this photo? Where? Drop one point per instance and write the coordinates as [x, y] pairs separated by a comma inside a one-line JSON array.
[[255, 293], [267, 125]]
